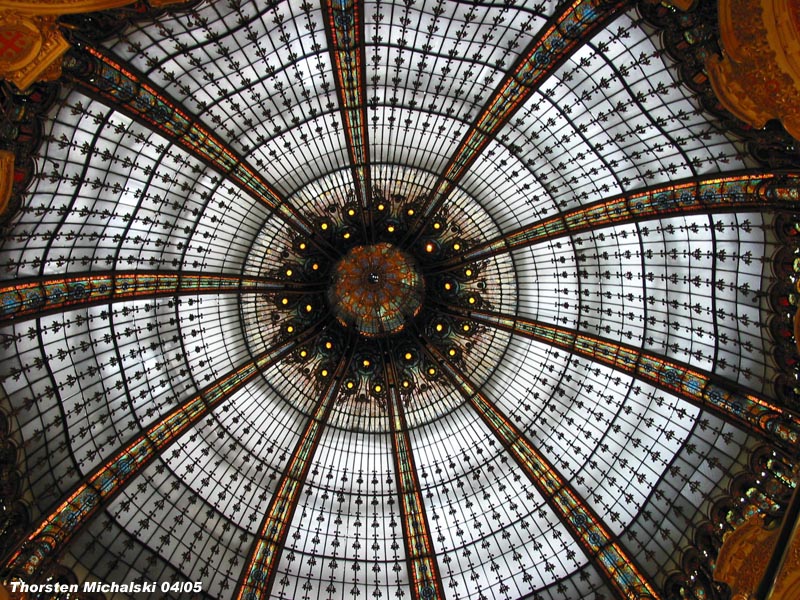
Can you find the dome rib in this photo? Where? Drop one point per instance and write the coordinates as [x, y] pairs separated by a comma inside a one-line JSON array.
[[618, 567], [421, 557], [512, 363], [260, 569], [554, 44], [732, 193], [345, 31], [747, 409], [53, 533], [39, 296], [130, 94]]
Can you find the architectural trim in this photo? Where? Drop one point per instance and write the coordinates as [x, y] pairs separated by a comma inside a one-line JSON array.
[[54, 532], [748, 410], [618, 568]]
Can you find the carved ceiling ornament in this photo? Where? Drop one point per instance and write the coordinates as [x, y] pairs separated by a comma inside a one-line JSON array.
[[744, 555], [758, 77], [30, 48], [743, 559], [6, 178], [31, 43]]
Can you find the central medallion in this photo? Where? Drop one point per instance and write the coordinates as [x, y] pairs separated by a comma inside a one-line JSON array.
[[376, 289]]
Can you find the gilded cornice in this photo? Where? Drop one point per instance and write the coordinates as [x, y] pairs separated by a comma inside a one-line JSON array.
[[757, 78]]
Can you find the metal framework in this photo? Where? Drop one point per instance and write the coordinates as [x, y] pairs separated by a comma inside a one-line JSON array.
[[54, 532], [36, 297], [746, 409], [345, 32], [259, 573], [551, 47], [614, 563]]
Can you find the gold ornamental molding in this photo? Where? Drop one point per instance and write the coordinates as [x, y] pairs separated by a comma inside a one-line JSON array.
[[758, 76], [60, 7], [6, 180], [743, 558], [31, 43], [31, 48]]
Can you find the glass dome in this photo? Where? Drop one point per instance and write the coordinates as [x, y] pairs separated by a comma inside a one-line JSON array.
[[383, 299]]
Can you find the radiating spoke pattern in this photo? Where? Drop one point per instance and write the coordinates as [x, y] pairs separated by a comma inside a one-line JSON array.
[[54, 532], [560, 37], [737, 193], [618, 567], [345, 30], [731, 402], [30, 298], [346, 299]]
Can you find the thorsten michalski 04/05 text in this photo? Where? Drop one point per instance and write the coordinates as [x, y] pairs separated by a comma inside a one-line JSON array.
[[106, 588]]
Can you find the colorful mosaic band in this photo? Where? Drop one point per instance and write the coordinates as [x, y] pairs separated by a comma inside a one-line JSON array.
[[748, 410], [55, 531], [425, 578], [101, 75], [347, 50], [262, 563], [588, 529], [31, 298], [740, 192], [562, 35]]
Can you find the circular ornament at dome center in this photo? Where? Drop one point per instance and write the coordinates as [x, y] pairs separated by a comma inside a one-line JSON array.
[[376, 289]]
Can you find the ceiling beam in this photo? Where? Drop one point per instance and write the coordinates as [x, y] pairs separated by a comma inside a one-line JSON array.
[[37, 296], [259, 573], [717, 194], [426, 580], [617, 567], [99, 75], [727, 400], [345, 31], [53, 533], [565, 32]]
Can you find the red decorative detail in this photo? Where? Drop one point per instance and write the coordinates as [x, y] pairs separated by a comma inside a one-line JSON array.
[[14, 43]]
